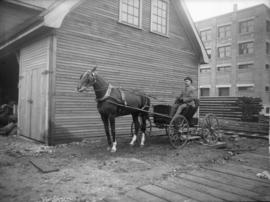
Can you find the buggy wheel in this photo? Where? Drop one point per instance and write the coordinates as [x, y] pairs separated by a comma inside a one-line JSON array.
[[178, 131], [210, 129], [148, 130]]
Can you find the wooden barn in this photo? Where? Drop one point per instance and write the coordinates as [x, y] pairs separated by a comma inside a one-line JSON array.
[[149, 45]]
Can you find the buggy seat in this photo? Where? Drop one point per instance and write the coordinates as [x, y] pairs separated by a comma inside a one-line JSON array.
[[189, 112]]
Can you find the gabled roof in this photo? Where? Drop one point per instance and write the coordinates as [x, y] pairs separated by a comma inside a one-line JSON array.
[[191, 30], [53, 16]]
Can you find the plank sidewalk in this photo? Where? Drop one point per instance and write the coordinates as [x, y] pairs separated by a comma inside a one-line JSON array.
[[232, 181]]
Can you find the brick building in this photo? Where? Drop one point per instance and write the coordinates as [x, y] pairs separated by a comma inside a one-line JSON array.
[[239, 46]]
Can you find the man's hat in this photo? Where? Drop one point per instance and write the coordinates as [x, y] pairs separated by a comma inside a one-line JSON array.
[[188, 78]]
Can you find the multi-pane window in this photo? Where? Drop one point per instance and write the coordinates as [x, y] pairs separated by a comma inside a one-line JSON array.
[[224, 32], [267, 66], [224, 91], [267, 48], [206, 35], [224, 51], [267, 88], [243, 89], [245, 66], [130, 12], [246, 48], [204, 70], [267, 110], [268, 26], [159, 16], [204, 91], [246, 26], [224, 68]]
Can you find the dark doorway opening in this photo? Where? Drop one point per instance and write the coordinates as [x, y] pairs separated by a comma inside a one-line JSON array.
[[9, 78]]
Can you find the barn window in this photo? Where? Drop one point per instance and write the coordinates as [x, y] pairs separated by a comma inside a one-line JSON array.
[[159, 16], [130, 12]]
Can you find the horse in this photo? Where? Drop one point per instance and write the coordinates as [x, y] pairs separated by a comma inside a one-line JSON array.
[[114, 102]]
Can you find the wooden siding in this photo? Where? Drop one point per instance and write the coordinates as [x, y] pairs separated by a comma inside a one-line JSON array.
[[125, 56]]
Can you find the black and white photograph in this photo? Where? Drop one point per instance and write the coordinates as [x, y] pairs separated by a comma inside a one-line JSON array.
[[134, 100]]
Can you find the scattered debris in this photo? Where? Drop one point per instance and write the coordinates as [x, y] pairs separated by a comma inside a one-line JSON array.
[[264, 175], [43, 165]]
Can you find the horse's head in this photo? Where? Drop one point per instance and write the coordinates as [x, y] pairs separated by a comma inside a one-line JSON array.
[[87, 80]]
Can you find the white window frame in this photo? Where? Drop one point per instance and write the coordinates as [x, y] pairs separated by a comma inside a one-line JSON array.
[[167, 19], [139, 26]]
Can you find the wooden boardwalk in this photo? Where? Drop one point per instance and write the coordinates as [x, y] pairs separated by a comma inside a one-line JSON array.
[[233, 181]]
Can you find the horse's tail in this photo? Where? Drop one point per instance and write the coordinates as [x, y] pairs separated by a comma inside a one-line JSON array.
[[146, 103]]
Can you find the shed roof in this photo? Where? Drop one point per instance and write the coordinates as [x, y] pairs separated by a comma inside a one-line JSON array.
[[51, 15]]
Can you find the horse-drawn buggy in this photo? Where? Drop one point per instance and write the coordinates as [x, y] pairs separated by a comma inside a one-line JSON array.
[[113, 102], [183, 127]]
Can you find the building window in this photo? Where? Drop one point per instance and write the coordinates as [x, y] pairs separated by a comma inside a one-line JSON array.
[[243, 89], [204, 92], [246, 48], [246, 26], [209, 51], [245, 66], [224, 68], [204, 70], [267, 66], [267, 48], [206, 35], [224, 32], [130, 12], [159, 16], [224, 91], [267, 110], [224, 51], [267, 88], [268, 26]]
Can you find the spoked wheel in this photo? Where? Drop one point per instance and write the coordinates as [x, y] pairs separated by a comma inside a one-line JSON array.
[[178, 131], [148, 130], [210, 129]]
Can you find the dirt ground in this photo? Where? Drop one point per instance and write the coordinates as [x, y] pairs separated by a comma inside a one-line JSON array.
[[88, 172]]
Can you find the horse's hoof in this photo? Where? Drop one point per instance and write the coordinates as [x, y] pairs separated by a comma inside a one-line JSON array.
[[142, 145], [131, 145], [113, 150]]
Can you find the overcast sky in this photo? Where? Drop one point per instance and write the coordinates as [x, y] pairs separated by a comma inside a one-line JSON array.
[[203, 9]]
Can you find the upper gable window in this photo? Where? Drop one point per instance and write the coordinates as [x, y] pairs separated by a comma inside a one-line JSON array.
[[159, 16], [206, 35], [130, 12]]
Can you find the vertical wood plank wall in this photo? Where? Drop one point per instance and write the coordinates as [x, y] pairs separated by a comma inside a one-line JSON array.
[[126, 56]]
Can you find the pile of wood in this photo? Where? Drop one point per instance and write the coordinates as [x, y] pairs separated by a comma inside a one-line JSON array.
[[222, 107]]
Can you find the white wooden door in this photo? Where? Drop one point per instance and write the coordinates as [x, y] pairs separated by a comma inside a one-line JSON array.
[[33, 90]]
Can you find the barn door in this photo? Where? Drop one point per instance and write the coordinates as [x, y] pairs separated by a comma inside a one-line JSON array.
[[33, 90]]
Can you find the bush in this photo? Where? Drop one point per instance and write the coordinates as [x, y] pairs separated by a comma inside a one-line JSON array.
[[250, 108]]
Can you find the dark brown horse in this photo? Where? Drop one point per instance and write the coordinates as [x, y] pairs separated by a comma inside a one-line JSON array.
[[113, 102]]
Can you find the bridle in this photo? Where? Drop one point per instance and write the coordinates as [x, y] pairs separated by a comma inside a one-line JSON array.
[[90, 77]]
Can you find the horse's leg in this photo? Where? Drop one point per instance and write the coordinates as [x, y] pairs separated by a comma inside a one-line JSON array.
[[112, 123], [136, 125], [143, 129], [105, 120]]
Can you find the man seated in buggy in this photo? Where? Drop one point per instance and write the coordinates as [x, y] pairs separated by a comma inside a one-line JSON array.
[[187, 103]]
